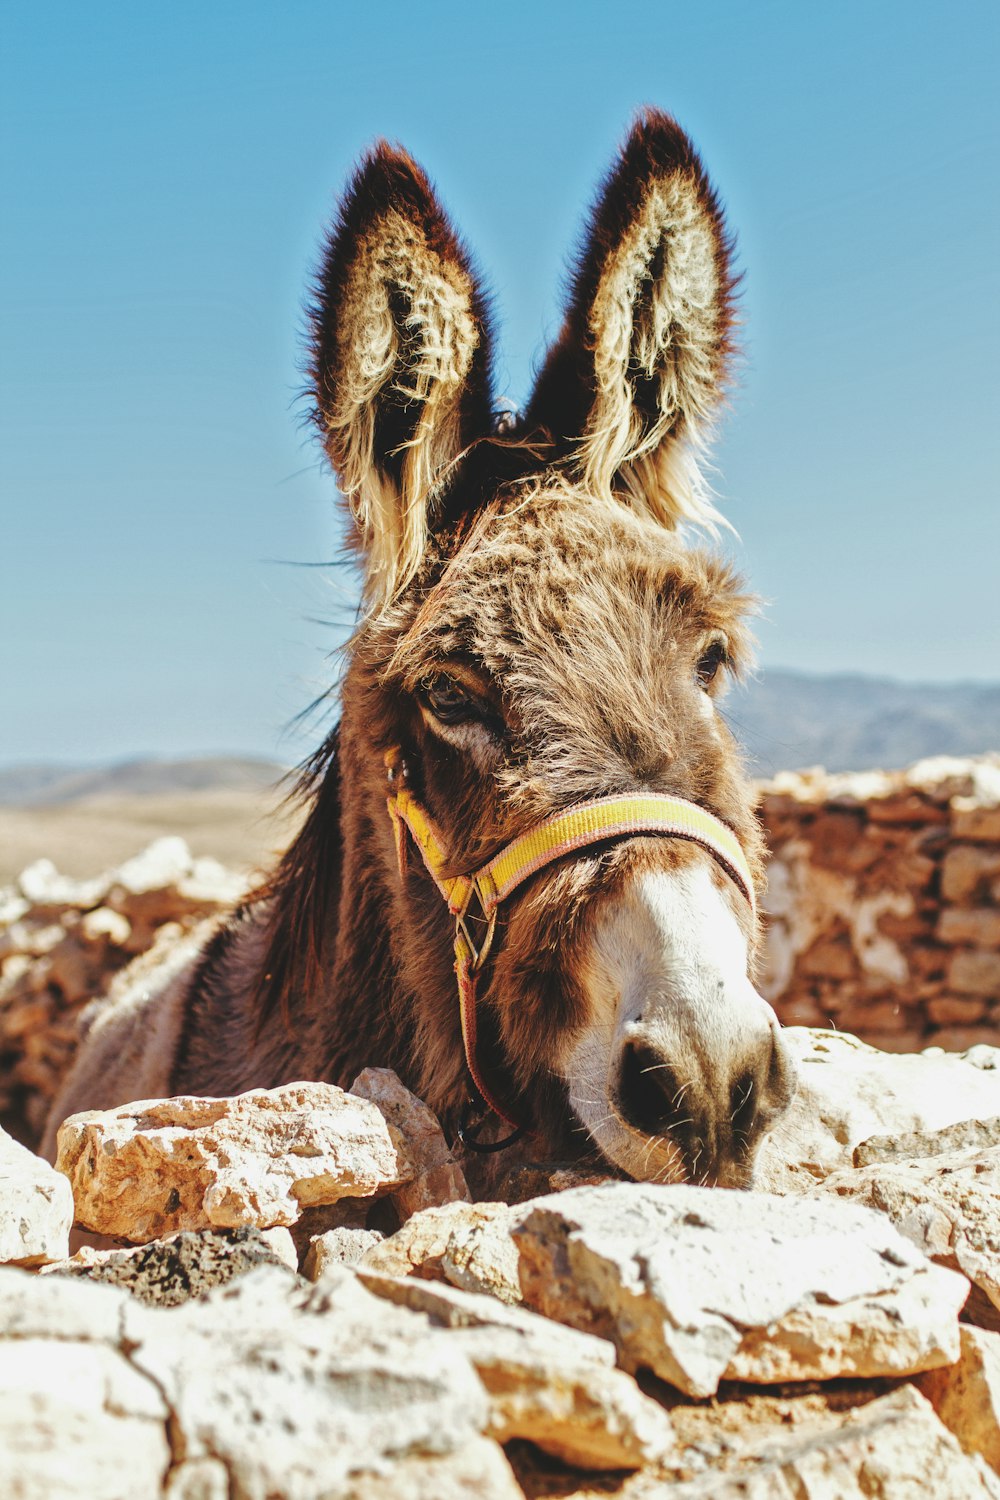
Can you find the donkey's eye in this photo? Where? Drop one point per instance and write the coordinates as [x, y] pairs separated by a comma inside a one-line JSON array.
[[712, 658], [449, 701]]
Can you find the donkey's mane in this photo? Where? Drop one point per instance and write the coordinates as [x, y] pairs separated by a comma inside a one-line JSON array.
[[299, 891]]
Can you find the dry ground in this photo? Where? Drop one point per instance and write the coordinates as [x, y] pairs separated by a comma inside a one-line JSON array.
[[242, 829]]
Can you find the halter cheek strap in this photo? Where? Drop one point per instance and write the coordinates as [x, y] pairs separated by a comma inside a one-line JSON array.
[[607, 819]]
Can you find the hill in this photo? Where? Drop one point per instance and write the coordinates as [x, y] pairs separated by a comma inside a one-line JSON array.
[[787, 720], [49, 785]]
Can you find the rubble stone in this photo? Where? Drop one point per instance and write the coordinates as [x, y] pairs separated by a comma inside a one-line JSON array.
[[948, 1205], [36, 1207], [342, 1247], [438, 1177], [467, 1244], [549, 1384], [966, 1395], [150, 1168], [172, 1270], [962, 1136], [697, 1284], [895, 1448], [849, 1092]]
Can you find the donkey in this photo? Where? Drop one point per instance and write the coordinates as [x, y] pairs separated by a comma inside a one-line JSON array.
[[530, 786]]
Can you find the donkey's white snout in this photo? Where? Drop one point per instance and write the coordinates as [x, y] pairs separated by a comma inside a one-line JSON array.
[[683, 1067]]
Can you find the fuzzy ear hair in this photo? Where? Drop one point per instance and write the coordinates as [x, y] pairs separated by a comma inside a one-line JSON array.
[[399, 361], [630, 389]]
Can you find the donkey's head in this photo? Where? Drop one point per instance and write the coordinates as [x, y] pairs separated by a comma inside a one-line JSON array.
[[539, 634]]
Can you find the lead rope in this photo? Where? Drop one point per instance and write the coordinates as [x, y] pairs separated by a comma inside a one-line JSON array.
[[605, 819]]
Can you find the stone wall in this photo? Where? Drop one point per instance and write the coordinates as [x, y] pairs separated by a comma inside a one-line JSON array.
[[62, 942], [883, 920], [884, 902]]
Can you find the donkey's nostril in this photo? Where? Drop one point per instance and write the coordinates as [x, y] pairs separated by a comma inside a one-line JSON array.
[[651, 1096]]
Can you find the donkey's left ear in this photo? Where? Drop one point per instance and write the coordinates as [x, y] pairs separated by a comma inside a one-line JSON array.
[[630, 390], [399, 362]]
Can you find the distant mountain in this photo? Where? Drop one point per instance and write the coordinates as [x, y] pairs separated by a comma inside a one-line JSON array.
[[787, 720], [35, 785]]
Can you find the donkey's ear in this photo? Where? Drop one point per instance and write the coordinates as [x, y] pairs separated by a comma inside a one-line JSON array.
[[630, 389], [400, 361]]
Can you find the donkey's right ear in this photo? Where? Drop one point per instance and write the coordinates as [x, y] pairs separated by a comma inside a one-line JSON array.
[[400, 362]]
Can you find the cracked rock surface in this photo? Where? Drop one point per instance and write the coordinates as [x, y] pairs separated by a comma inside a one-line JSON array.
[[849, 1092], [946, 1204], [547, 1383], [697, 1284], [284, 1392], [147, 1169]]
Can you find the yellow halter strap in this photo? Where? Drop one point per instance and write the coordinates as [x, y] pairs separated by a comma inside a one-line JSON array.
[[605, 819]]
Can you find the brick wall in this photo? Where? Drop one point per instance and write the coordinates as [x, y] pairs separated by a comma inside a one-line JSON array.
[[884, 902]]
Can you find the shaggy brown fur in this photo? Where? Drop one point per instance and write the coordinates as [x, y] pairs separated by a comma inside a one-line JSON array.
[[538, 632]]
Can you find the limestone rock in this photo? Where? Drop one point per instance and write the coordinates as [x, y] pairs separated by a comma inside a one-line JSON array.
[[263, 1390], [966, 1396], [76, 1418], [343, 1246], [698, 1284], [849, 1092], [170, 1271], [36, 1207], [281, 1245], [468, 1244], [78, 1421], [147, 1169], [549, 1384], [54, 1307], [439, 1179], [921, 1143], [324, 1390], [948, 1205], [894, 1448]]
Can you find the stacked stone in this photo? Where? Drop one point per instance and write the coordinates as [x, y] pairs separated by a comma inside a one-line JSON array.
[[62, 942], [254, 1333], [883, 902]]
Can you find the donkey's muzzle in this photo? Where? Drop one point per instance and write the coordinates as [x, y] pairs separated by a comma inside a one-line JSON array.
[[715, 1118]]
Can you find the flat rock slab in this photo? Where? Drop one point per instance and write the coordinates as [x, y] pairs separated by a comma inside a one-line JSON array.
[[849, 1092], [145, 1170], [549, 1384], [948, 1205], [36, 1207], [894, 1448], [962, 1136], [320, 1391], [698, 1285], [265, 1389]]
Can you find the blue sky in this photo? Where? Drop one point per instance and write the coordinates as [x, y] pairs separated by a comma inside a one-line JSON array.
[[166, 172]]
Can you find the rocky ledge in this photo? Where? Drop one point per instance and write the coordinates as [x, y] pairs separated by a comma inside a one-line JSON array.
[[294, 1297]]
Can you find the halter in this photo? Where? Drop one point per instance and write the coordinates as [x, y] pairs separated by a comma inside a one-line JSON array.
[[603, 820]]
